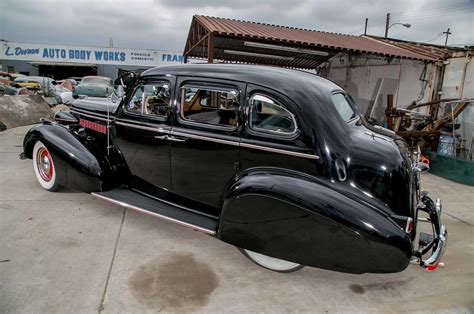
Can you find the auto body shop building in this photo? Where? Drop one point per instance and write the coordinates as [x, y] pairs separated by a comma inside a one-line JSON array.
[[63, 61]]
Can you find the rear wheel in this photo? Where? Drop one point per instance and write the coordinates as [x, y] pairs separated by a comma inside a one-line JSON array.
[[271, 263], [44, 167]]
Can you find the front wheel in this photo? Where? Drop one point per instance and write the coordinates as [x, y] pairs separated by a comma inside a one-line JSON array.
[[44, 167], [271, 263]]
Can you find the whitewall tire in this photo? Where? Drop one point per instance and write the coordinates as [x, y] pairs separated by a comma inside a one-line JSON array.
[[43, 166], [271, 263]]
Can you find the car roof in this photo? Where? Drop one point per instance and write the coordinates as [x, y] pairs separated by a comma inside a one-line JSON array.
[[280, 78], [33, 79]]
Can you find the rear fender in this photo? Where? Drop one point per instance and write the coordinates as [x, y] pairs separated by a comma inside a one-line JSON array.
[[296, 217], [76, 166]]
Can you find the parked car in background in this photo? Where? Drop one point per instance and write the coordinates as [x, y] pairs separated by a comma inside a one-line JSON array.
[[66, 84], [15, 75], [7, 89], [42, 84], [97, 103], [76, 79], [96, 86], [279, 163], [6, 77]]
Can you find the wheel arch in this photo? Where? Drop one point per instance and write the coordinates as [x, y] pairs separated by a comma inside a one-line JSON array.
[[293, 216], [77, 167]]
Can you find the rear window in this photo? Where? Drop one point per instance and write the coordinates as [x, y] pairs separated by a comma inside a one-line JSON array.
[[343, 107]]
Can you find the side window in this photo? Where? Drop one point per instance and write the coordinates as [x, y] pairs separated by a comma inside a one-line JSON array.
[[150, 99], [269, 115], [343, 107], [209, 106]]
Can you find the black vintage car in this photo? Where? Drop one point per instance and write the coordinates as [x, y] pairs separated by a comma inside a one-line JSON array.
[[277, 162]]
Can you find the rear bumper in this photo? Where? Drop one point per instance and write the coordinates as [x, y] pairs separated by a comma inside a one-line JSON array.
[[437, 245]]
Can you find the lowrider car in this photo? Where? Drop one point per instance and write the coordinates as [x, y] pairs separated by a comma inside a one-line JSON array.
[[279, 163]]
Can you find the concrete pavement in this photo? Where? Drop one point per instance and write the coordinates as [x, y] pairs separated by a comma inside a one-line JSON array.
[[69, 252]]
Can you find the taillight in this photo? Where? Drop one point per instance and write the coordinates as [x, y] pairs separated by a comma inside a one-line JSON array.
[[406, 223], [409, 225]]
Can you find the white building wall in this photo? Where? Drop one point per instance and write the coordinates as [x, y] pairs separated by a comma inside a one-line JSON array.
[[369, 79], [458, 70]]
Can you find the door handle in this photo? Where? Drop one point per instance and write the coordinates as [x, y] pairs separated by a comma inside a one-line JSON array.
[[176, 139], [170, 138]]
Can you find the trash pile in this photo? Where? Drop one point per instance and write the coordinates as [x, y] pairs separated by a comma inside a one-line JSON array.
[[443, 130], [21, 92], [54, 92]]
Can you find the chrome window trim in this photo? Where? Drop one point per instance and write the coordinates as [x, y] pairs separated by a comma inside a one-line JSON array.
[[264, 132], [142, 113], [221, 89]]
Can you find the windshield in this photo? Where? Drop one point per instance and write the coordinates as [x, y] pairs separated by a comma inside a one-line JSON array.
[[343, 107]]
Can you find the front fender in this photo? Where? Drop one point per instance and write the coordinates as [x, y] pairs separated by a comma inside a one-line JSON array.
[[299, 218], [77, 166]]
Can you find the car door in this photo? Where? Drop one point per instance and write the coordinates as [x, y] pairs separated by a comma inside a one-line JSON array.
[[142, 126], [274, 134], [205, 144]]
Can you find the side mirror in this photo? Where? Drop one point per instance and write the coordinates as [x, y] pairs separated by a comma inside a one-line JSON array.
[[65, 118], [114, 97], [125, 80]]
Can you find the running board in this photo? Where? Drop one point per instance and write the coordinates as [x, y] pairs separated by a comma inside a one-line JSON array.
[[136, 201]]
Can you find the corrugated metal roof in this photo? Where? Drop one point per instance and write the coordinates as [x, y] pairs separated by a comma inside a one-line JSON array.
[[431, 51], [309, 39]]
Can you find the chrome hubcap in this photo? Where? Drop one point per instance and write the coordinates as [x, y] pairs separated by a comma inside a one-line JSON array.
[[44, 164]]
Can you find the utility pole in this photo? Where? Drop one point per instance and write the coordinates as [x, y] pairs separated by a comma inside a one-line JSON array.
[[387, 23], [366, 23], [447, 35]]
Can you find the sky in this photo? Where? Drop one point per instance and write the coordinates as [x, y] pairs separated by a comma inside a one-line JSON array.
[[164, 24]]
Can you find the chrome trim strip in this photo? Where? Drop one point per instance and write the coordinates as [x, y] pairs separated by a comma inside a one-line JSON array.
[[279, 151], [90, 115], [142, 127], [220, 141], [179, 222], [204, 138]]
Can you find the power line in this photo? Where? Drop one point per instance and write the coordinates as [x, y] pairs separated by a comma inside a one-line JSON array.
[[436, 9], [431, 16], [435, 14], [434, 38], [430, 12]]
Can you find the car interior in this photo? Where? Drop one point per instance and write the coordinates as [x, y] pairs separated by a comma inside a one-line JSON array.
[[210, 106]]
